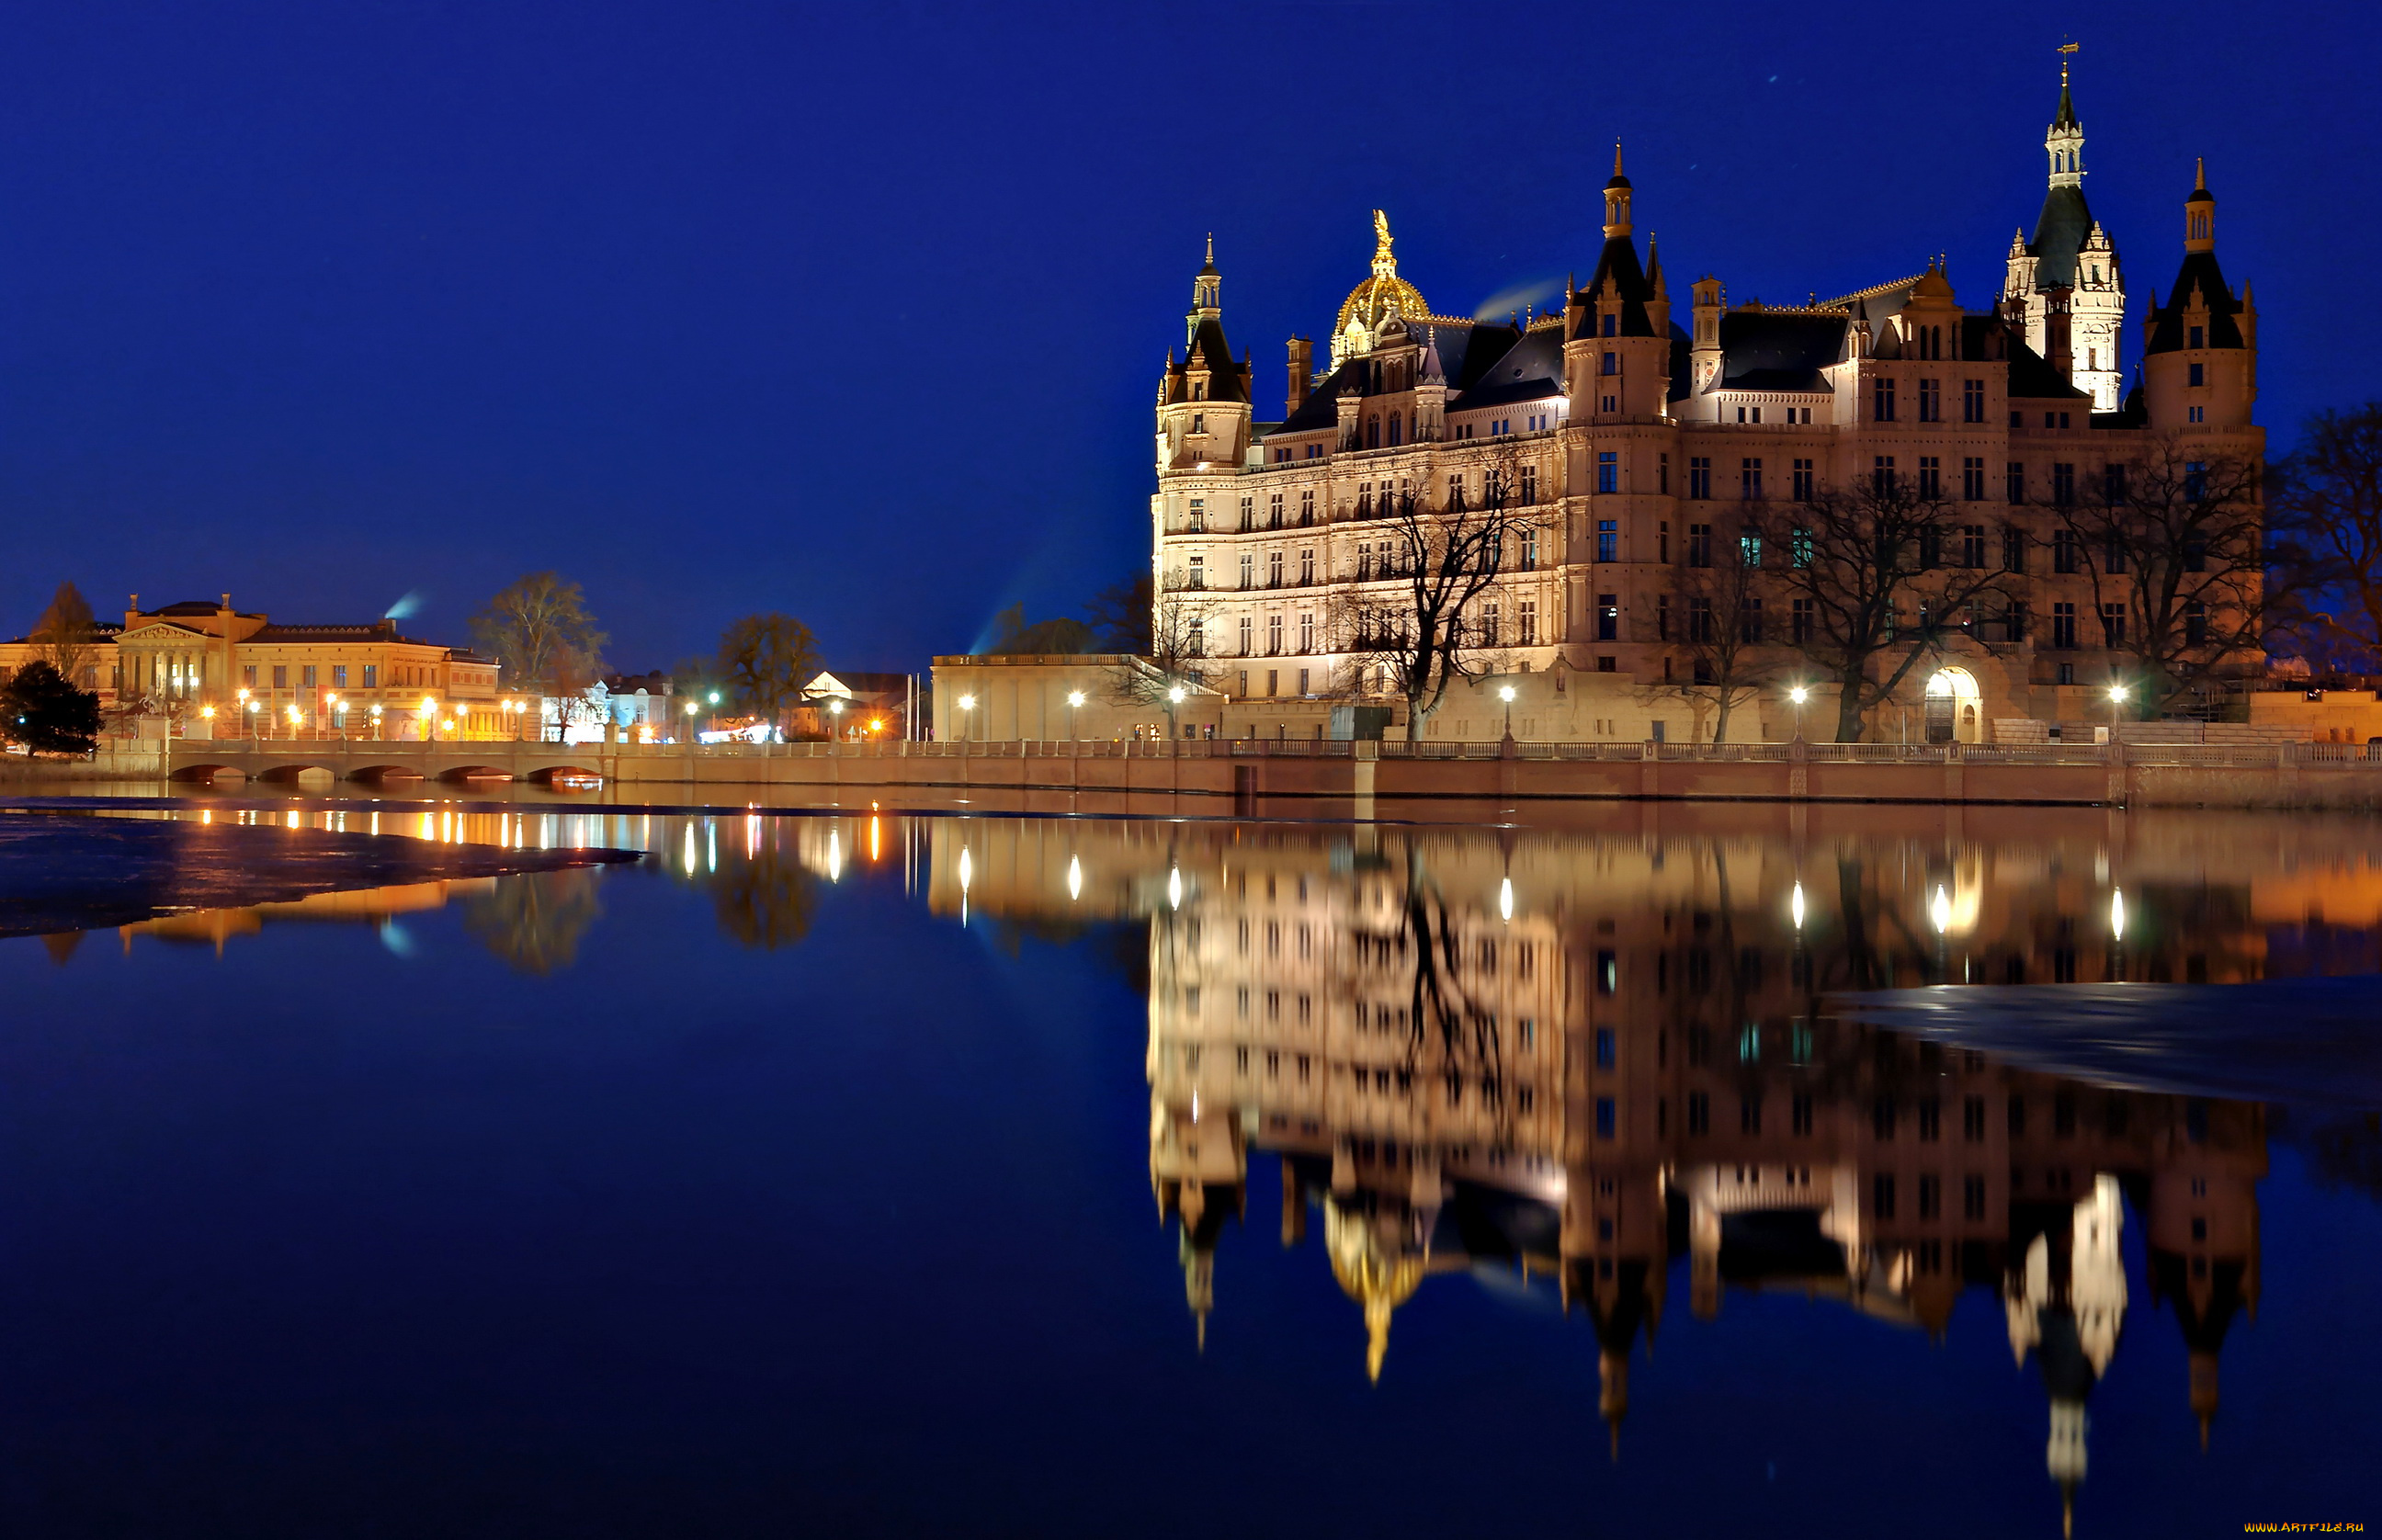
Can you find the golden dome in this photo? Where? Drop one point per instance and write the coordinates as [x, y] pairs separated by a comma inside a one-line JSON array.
[[1369, 1275], [1371, 303]]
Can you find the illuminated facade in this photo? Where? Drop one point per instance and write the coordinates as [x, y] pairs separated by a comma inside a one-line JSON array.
[[1627, 440], [186, 657]]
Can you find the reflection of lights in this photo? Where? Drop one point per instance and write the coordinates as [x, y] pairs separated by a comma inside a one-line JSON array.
[[1074, 877], [1175, 886], [967, 870], [686, 855], [834, 856], [1795, 905], [1939, 909], [875, 837], [1505, 899], [2117, 914]]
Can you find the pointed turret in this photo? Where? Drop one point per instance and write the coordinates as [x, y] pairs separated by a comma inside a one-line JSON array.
[[2200, 348], [2066, 275]]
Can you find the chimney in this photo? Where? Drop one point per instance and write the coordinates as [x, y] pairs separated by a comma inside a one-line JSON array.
[[227, 604], [1302, 370], [2057, 351]]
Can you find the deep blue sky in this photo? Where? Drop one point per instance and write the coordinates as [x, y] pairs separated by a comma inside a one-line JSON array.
[[856, 311]]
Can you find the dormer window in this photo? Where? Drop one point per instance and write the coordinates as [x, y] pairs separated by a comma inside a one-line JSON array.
[[2197, 335], [1198, 390], [1612, 325]]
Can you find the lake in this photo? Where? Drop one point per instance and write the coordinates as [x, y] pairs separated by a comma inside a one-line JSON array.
[[1624, 1168]]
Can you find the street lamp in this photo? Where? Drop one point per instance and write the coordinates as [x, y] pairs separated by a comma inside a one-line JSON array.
[[690, 722], [967, 703], [2117, 693], [1075, 705], [429, 717], [835, 709], [1505, 693], [375, 716], [1799, 695], [1174, 695]]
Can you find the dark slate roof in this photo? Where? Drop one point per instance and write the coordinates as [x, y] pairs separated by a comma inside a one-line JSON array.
[[1530, 370], [2032, 378], [2059, 232], [378, 631], [1228, 379], [1322, 408], [1683, 377], [1619, 263], [1777, 349], [2200, 274], [1464, 350]]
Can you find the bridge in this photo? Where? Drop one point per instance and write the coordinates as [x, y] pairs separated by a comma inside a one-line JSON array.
[[451, 760]]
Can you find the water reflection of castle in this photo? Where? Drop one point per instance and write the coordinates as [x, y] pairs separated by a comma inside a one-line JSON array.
[[1586, 1058]]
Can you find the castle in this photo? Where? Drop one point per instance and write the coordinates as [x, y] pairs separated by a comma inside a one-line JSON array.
[[1628, 438]]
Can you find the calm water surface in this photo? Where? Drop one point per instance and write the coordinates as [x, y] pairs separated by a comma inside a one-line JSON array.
[[983, 1175]]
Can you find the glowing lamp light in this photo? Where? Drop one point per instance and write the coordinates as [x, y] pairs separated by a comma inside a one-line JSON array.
[[208, 712], [1505, 693], [1176, 695], [967, 702], [1799, 695], [2117, 693], [1075, 697]]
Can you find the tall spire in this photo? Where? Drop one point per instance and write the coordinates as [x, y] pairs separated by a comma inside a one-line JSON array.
[[1616, 199], [2064, 142], [2200, 212]]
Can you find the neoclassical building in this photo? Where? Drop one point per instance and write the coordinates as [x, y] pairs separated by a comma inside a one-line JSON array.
[[1628, 434]]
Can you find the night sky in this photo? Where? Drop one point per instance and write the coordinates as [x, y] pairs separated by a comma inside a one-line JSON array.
[[856, 312]]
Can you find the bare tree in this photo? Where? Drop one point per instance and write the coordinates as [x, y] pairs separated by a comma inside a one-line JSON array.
[[2327, 504], [765, 661], [1120, 616], [1426, 615], [1175, 663], [66, 636], [1880, 577], [2175, 550], [1723, 625], [538, 628]]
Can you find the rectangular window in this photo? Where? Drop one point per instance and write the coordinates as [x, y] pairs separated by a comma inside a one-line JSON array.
[[1198, 578], [280, 675], [1195, 643], [1244, 652], [1273, 511], [1273, 568], [1608, 540], [306, 676], [1661, 618], [1611, 360], [2112, 624], [1307, 566], [1248, 570], [2013, 482], [2199, 373], [1748, 480], [2195, 479], [1699, 546], [1881, 475], [1882, 1196], [1274, 645], [1973, 478], [1604, 1049], [1972, 546], [2063, 626], [372, 676], [2195, 623], [1803, 617], [1604, 1118], [1931, 1196], [1196, 520], [2113, 553], [1456, 493], [1698, 476], [1972, 400], [1803, 480], [1530, 486], [339, 675], [1529, 616], [1748, 622], [1608, 470], [1798, 549], [1748, 549], [1608, 618], [1531, 549], [2193, 339], [1931, 476], [248, 676], [1699, 1112], [1306, 508], [2066, 551], [1881, 401], [2062, 483], [1488, 626], [1700, 620], [1931, 401], [1306, 634], [2113, 484], [1973, 1197], [1662, 475]]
